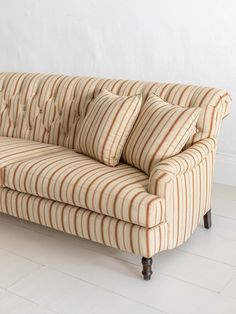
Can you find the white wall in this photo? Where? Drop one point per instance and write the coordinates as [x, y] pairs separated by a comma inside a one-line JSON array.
[[174, 41]]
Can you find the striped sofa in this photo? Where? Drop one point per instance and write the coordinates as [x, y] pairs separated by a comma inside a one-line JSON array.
[[43, 179]]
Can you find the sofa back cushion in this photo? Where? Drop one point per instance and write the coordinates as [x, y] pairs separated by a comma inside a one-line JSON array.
[[42, 107], [107, 125], [161, 131], [48, 108]]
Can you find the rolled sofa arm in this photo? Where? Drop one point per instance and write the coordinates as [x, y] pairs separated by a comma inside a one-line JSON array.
[[184, 181]]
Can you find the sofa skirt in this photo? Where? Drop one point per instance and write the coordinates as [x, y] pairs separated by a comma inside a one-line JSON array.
[[85, 223]]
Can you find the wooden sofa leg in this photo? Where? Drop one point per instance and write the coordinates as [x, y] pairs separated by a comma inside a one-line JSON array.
[[207, 219], [147, 268]]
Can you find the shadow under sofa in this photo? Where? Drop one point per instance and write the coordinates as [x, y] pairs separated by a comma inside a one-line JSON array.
[[44, 180]]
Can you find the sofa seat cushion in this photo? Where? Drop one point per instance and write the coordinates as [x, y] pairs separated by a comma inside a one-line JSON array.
[[85, 223], [15, 150], [76, 179]]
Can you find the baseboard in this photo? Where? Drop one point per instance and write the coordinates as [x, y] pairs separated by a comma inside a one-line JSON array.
[[225, 170]]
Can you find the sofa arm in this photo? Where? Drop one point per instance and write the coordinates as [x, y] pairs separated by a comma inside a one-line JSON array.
[[168, 169], [184, 181]]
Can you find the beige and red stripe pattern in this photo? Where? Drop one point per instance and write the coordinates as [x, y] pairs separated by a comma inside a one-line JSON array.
[[185, 182], [160, 131], [129, 210], [48, 108], [215, 103], [106, 126], [84, 223], [14, 150], [42, 107], [76, 179]]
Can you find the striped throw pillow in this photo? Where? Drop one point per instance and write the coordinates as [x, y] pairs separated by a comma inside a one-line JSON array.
[[106, 126], [161, 131]]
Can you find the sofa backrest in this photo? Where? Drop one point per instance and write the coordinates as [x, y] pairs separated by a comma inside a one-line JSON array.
[[48, 108]]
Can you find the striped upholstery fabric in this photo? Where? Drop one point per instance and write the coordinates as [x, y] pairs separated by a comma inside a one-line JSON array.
[[106, 126], [42, 107], [75, 179], [121, 206], [215, 103], [15, 150], [48, 108], [160, 131], [84, 223], [185, 182]]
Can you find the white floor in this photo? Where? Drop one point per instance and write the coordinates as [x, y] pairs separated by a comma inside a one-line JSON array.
[[43, 271]]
